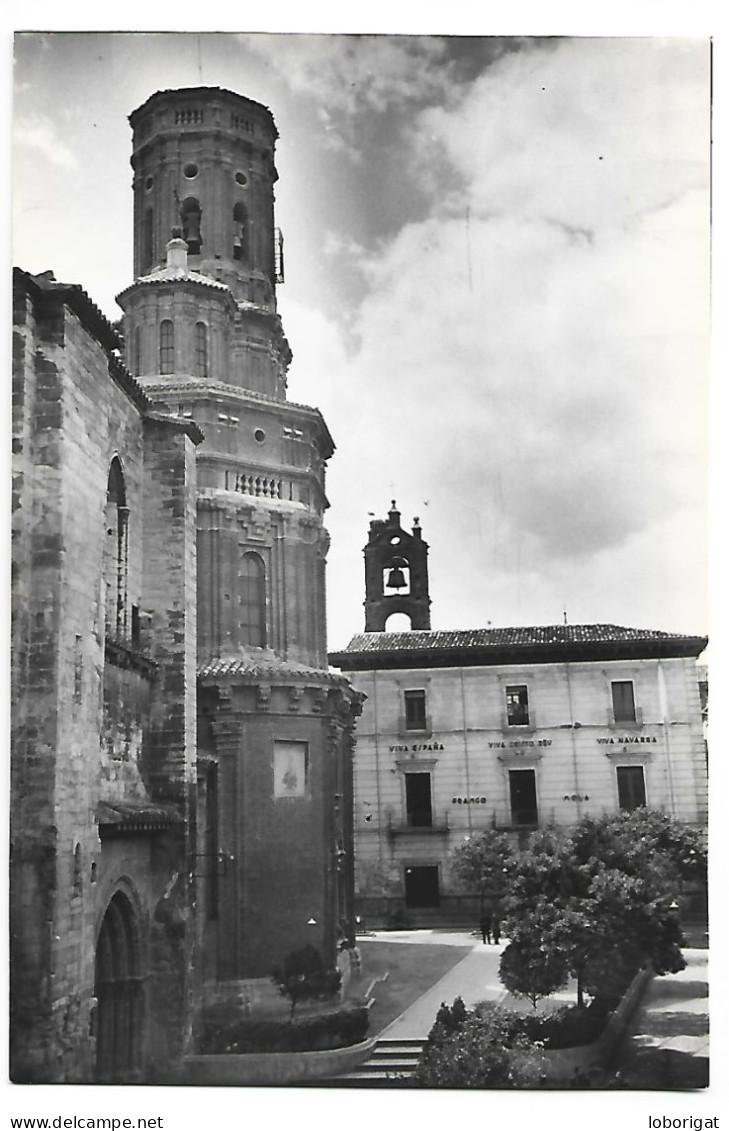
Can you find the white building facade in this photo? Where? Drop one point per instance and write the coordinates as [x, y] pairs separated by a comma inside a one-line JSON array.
[[513, 729]]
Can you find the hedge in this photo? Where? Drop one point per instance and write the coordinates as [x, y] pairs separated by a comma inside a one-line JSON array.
[[334, 1029]]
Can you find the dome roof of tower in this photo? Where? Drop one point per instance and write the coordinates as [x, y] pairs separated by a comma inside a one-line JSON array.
[[175, 275]]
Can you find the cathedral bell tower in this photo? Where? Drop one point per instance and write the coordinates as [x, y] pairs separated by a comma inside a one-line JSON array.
[[396, 573], [203, 159], [275, 727]]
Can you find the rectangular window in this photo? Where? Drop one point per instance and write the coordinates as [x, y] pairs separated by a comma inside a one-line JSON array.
[[623, 701], [631, 787], [290, 769], [417, 801], [517, 706], [415, 717]]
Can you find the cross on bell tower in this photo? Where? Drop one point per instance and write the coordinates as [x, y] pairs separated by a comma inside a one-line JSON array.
[[396, 573]]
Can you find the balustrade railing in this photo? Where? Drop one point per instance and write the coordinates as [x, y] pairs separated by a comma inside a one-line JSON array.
[[262, 486]]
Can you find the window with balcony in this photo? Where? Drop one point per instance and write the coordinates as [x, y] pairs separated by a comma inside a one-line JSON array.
[[517, 706], [631, 787], [418, 804], [523, 797], [415, 713], [623, 695]]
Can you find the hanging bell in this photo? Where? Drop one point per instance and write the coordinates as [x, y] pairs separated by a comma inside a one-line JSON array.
[[396, 580]]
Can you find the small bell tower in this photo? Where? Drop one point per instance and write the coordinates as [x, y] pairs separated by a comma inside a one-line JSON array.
[[396, 573]]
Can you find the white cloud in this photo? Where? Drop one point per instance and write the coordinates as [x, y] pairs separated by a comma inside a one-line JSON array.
[[533, 355], [351, 75], [38, 133]]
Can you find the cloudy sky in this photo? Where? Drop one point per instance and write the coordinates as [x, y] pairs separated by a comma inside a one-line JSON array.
[[496, 290]]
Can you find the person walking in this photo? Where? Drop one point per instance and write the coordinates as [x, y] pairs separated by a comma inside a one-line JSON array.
[[496, 928], [485, 925]]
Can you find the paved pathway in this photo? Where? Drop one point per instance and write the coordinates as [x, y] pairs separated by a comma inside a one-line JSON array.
[[475, 978], [668, 1045]]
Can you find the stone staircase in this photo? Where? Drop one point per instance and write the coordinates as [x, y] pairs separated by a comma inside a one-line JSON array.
[[390, 1065]]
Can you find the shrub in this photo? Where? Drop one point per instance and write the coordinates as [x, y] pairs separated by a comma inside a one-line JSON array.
[[482, 1048], [567, 1027], [449, 1018], [490, 1047], [336, 1029], [304, 977]]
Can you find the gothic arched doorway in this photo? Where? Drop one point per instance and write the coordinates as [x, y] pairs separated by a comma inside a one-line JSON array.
[[120, 996]]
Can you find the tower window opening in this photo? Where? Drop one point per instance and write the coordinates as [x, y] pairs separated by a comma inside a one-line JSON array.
[[137, 358], [116, 522], [252, 601], [166, 346], [148, 241], [191, 217], [241, 178], [241, 243], [398, 622], [278, 255], [190, 171], [396, 578], [201, 349]]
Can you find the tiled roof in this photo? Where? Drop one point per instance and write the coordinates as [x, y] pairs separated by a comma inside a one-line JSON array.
[[175, 275], [265, 666], [137, 816], [490, 637], [494, 644]]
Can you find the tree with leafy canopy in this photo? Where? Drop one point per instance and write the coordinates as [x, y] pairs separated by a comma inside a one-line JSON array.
[[599, 901], [534, 964], [482, 863], [305, 977]]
